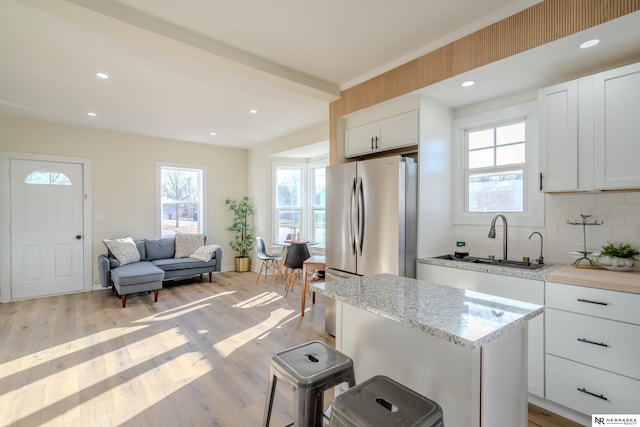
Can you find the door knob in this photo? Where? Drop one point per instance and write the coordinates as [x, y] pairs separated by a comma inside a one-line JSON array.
[[78, 236]]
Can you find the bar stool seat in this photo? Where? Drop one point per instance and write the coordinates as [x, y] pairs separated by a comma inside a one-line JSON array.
[[383, 402], [310, 369]]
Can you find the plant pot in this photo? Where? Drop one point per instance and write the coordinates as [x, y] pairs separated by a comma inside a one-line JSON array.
[[616, 262], [242, 263]]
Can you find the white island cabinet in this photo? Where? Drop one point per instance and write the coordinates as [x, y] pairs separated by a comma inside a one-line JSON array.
[[504, 282], [462, 349]]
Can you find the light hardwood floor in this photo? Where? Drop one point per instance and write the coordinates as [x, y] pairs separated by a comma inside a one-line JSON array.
[[199, 356]]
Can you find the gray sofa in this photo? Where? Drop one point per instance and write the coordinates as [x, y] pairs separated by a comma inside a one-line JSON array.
[[157, 264]]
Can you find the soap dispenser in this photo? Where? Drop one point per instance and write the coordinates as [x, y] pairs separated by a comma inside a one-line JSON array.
[[461, 250]]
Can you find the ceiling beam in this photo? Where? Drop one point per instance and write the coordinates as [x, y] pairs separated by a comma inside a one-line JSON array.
[[235, 60]]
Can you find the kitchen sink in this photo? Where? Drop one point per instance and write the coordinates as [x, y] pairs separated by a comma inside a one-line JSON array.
[[496, 262]]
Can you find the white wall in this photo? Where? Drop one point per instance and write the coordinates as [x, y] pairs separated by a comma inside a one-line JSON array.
[[124, 176]]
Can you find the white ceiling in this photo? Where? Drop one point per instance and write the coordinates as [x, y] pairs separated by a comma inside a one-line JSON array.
[[181, 70]]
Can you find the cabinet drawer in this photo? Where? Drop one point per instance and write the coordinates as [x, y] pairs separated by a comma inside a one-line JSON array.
[[570, 383], [622, 306], [602, 343]]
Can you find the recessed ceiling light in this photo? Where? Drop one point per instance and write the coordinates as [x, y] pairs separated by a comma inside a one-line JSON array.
[[91, 114], [468, 83], [589, 43], [253, 111], [212, 133], [102, 75]]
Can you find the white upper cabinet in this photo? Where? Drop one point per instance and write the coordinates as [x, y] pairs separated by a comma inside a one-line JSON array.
[[616, 125], [394, 132], [558, 109], [588, 139]]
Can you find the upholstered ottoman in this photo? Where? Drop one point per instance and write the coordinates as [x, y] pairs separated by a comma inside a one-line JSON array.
[[137, 277]]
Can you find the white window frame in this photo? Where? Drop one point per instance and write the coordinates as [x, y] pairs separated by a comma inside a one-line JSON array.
[[303, 189], [320, 164], [202, 214], [533, 203], [307, 209]]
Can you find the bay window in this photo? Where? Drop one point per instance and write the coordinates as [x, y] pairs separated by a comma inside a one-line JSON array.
[[299, 201]]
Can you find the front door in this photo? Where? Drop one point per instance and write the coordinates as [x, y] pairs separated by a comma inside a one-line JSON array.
[[46, 228]]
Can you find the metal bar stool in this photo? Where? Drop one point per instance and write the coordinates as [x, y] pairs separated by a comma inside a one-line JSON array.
[[383, 402], [310, 369]]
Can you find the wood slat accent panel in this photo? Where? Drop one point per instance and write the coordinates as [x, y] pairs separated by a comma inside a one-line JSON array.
[[540, 24]]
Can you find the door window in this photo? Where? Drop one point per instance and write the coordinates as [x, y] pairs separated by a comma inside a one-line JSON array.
[[47, 177]]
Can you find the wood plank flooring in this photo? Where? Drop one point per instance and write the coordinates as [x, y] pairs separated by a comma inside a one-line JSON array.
[[199, 356]]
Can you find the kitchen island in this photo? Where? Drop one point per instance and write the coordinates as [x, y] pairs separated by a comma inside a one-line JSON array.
[[463, 349]]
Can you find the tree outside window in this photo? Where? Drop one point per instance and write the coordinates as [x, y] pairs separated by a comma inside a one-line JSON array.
[[288, 201], [181, 200], [300, 200]]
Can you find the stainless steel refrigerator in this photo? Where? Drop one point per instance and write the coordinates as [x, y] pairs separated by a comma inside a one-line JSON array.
[[371, 220]]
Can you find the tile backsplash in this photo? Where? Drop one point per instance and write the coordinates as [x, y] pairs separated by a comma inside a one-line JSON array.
[[618, 211]]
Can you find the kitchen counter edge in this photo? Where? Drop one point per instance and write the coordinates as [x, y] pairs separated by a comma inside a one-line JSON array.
[[386, 289], [628, 281], [539, 274]]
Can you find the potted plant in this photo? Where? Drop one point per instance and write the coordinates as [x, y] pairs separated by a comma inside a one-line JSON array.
[[243, 232], [618, 256]]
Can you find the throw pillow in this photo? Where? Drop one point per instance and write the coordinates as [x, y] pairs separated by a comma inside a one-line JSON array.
[[186, 244], [124, 250], [204, 253], [160, 248]]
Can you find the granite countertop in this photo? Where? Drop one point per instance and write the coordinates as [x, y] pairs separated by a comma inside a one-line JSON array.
[[539, 274], [595, 277], [466, 318]]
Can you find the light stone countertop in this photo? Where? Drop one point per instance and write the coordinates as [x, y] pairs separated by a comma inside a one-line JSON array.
[[466, 318], [493, 269], [595, 277]]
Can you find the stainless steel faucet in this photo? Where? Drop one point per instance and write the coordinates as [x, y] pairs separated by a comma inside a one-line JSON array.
[[541, 259], [492, 233]]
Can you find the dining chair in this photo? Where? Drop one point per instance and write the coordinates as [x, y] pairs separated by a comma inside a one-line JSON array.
[[294, 260], [269, 262]]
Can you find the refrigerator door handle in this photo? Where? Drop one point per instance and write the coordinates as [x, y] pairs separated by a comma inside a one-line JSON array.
[[360, 224], [353, 209]]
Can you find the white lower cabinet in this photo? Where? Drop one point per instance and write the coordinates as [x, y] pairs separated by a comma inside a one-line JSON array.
[[592, 339], [607, 344], [590, 390], [527, 290]]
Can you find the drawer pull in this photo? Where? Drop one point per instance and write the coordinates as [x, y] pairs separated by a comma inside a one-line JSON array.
[[601, 344], [592, 302], [599, 396]]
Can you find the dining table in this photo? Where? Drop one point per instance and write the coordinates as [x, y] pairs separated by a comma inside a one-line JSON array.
[[313, 263]]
